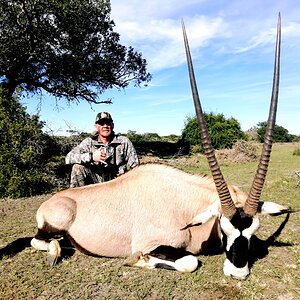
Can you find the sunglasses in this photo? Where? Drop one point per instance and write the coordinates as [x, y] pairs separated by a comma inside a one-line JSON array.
[[104, 122]]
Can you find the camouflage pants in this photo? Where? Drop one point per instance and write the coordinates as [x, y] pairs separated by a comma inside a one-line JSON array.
[[83, 175]]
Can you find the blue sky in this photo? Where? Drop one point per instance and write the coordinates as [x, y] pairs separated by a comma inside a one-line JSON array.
[[232, 44]]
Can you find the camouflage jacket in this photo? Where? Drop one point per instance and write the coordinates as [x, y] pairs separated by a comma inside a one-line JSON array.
[[120, 155]]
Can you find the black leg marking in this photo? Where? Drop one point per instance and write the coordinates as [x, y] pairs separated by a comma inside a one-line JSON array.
[[48, 232], [169, 253], [174, 259], [164, 266], [165, 257]]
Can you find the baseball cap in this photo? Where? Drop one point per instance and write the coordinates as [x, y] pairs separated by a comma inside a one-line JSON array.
[[103, 116]]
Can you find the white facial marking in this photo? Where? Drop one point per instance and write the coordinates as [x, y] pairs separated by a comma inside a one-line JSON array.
[[230, 270], [226, 225], [231, 232]]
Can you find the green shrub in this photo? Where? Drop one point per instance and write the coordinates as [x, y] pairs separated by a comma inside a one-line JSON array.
[[280, 134], [297, 152], [22, 150], [223, 132]]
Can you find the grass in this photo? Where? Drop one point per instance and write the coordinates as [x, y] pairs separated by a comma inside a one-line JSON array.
[[24, 274]]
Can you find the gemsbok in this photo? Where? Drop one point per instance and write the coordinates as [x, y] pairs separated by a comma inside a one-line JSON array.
[[159, 216]]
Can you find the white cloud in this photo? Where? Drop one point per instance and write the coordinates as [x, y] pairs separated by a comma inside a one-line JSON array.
[[263, 38], [267, 37], [161, 42], [153, 28]]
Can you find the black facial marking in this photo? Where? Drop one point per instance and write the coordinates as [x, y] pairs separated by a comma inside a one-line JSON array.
[[240, 220], [238, 253]]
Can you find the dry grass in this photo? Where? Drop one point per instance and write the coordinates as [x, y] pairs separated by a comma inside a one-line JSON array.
[[24, 274]]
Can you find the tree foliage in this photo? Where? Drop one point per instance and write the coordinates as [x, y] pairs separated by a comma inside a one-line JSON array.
[[223, 132], [22, 150], [280, 134], [65, 47]]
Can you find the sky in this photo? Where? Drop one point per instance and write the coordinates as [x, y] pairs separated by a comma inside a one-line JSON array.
[[232, 45]]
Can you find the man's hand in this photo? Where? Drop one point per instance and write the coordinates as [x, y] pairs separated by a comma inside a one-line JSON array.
[[99, 155]]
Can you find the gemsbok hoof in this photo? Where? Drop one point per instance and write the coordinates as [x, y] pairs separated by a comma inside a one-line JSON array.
[[133, 259], [54, 252]]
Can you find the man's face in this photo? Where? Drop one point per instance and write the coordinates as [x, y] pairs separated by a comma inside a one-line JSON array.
[[104, 127]]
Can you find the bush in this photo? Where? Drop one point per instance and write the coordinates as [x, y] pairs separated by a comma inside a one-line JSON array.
[[280, 134], [22, 150], [223, 132], [296, 152]]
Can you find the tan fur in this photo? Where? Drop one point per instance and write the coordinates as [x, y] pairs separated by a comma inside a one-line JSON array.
[[139, 211]]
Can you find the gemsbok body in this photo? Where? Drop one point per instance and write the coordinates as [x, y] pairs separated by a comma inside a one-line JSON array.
[[158, 216]]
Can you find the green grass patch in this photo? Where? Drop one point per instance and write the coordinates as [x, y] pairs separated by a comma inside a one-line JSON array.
[[24, 274]]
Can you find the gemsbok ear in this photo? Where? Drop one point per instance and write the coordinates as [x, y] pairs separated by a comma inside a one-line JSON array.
[[212, 211], [273, 209]]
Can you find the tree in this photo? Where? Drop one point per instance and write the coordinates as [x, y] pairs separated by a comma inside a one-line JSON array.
[[223, 132], [280, 133], [65, 47], [23, 149]]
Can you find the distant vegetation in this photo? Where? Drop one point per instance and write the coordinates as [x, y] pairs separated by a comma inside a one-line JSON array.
[[280, 135], [223, 132], [22, 150], [32, 162], [296, 152]]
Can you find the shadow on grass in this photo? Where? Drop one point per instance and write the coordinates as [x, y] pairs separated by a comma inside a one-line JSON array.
[[15, 247], [260, 248]]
